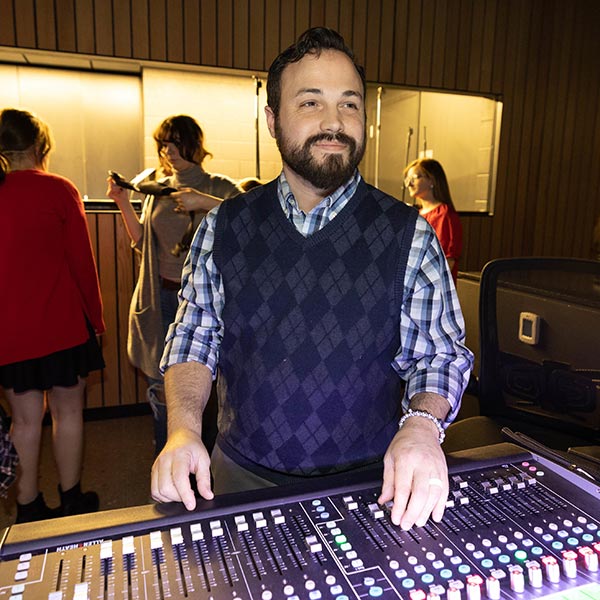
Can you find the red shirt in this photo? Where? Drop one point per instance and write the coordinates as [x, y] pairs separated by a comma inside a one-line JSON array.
[[448, 228], [48, 277]]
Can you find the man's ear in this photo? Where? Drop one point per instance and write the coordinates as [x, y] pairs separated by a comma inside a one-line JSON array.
[[270, 120]]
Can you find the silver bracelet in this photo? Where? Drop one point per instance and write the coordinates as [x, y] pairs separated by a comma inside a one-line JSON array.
[[426, 415]]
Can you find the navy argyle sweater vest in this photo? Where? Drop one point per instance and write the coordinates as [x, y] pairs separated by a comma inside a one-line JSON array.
[[307, 385]]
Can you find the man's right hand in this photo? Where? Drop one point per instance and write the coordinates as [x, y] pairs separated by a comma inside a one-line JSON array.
[[184, 453]]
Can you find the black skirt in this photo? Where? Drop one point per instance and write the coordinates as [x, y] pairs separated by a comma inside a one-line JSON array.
[[62, 368]]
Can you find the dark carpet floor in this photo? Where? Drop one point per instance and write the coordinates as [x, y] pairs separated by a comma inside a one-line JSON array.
[[117, 462]]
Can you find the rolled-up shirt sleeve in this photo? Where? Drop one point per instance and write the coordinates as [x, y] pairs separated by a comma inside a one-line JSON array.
[[197, 331], [432, 356]]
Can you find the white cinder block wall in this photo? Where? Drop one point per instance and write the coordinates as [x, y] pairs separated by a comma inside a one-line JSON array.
[[224, 106]]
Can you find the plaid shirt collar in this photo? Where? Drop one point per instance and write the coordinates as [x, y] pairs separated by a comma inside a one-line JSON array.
[[320, 215]]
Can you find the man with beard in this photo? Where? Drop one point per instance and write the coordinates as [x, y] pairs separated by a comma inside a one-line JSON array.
[[315, 297]]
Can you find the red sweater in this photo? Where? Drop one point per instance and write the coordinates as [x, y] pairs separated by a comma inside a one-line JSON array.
[[48, 277], [448, 228]]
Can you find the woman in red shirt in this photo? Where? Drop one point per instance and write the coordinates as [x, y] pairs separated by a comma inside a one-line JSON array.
[[428, 186], [50, 312]]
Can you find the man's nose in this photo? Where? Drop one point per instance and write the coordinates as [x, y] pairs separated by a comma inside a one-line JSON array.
[[332, 120]]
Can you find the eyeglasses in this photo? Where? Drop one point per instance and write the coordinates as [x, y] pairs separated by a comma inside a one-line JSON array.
[[176, 142], [410, 180]]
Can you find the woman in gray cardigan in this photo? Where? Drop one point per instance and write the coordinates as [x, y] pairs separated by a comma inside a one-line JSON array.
[[157, 236]]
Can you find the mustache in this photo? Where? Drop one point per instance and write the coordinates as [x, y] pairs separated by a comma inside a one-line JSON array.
[[331, 137]]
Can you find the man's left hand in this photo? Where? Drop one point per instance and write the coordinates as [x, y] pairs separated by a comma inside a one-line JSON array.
[[415, 475]]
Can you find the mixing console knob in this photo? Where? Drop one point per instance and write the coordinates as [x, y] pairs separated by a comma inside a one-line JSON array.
[[278, 516], [156, 540], [128, 545], [453, 593], [488, 488], [590, 558], [503, 485], [492, 588], [514, 481], [350, 503], [474, 583], [196, 531], [436, 592], [552, 569], [517, 580], [216, 529], [534, 572], [176, 536], [313, 544], [241, 523], [81, 591], [459, 497], [460, 482], [375, 510], [259, 520], [569, 564], [106, 550]]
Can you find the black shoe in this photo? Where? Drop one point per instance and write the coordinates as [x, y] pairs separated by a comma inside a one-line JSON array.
[[76, 502], [36, 510]]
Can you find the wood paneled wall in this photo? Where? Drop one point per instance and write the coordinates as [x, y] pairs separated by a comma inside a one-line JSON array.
[[539, 56], [119, 383]]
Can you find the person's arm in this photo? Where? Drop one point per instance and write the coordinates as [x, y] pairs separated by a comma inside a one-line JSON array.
[[436, 364], [451, 262], [415, 474], [189, 362], [81, 261], [188, 199], [130, 218], [449, 232], [187, 387]]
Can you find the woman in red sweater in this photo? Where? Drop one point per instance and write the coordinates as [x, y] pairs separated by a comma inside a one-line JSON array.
[[428, 186], [50, 312]]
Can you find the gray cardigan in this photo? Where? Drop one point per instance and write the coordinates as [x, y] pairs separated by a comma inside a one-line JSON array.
[[145, 341]]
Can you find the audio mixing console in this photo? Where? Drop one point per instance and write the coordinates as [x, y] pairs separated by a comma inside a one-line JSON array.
[[516, 527]]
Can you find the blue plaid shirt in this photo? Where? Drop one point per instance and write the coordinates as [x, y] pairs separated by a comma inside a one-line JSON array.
[[432, 357]]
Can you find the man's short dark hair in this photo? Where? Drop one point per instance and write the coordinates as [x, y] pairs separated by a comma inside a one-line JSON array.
[[312, 41]]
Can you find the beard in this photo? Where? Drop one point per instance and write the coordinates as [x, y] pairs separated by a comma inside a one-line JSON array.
[[332, 171]]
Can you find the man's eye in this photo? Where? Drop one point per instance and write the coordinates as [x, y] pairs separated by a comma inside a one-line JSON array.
[[351, 105], [309, 103]]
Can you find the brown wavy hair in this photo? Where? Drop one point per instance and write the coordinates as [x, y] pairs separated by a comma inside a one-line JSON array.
[[186, 134], [434, 170]]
